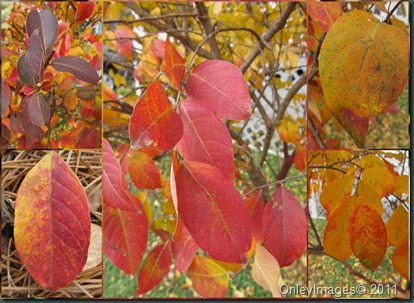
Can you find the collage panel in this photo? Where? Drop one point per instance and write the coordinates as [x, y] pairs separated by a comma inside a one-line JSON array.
[[51, 75], [204, 126], [358, 229], [358, 94], [51, 229]]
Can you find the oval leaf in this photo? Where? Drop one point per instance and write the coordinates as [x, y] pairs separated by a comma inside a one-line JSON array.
[[33, 22], [400, 257], [125, 234], [205, 138], [52, 223], [23, 71], [368, 240], [266, 271], [77, 67], [156, 266], [50, 28], [143, 171], [38, 108], [213, 212], [284, 227], [154, 120], [220, 86], [210, 280], [6, 95], [35, 58]]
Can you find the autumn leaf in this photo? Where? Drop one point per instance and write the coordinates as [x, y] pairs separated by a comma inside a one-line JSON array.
[[125, 237], [397, 225], [335, 192], [400, 257], [220, 86], [266, 271], [6, 95], [363, 69], [205, 138], [213, 212], [183, 247], [78, 67], [38, 108], [324, 13], [284, 227], [156, 266], [173, 65], [52, 223], [154, 120], [256, 205], [209, 279], [143, 171]]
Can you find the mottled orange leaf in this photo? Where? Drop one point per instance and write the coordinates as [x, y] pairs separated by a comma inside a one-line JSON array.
[[154, 120], [400, 257], [363, 68], [209, 279], [335, 192], [266, 271], [397, 225], [337, 237], [143, 171], [284, 227], [125, 237], [183, 247], [213, 212], [368, 236], [156, 266], [325, 13], [220, 86], [52, 223], [205, 138], [173, 65]]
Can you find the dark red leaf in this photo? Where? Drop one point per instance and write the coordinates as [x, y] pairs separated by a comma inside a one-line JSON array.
[[213, 212], [23, 71], [154, 120], [78, 67], [284, 227], [125, 237], [255, 205], [33, 22], [220, 86], [37, 107], [205, 138], [183, 247], [49, 27], [35, 58], [6, 95], [156, 266], [5, 136]]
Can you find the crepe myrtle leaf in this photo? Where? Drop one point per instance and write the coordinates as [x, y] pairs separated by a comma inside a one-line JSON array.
[[77, 67], [35, 57], [47, 23]]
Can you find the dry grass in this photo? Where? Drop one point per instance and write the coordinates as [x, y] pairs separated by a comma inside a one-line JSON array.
[[16, 282]]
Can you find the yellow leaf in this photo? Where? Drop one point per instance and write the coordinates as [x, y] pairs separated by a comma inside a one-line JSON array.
[[401, 185], [397, 225], [336, 193]]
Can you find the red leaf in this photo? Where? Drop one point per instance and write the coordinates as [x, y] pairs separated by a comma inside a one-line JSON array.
[[156, 266], [205, 138], [284, 227], [23, 71], [6, 95], [154, 120], [38, 108], [183, 247], [5, 136], [368, 236], [123, 44], [210, 280], [52, 223], [47, 23], [33, 22], [78, 67], [173, 65], [85, 10], [143, 171], [220, 86], [255, 205], [325, 13], [35, 58], [125, 234], [115, 187], [213, 212]]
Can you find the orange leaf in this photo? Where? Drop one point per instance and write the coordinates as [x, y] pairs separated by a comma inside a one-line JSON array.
[[173, 65], [266, 271], [143, 171], [397, 225], [325, 13], [183, 247], [52, 223], [209, 279], [335, 193], [154, 120], [400, 257], [368, 236], [156, 266]]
